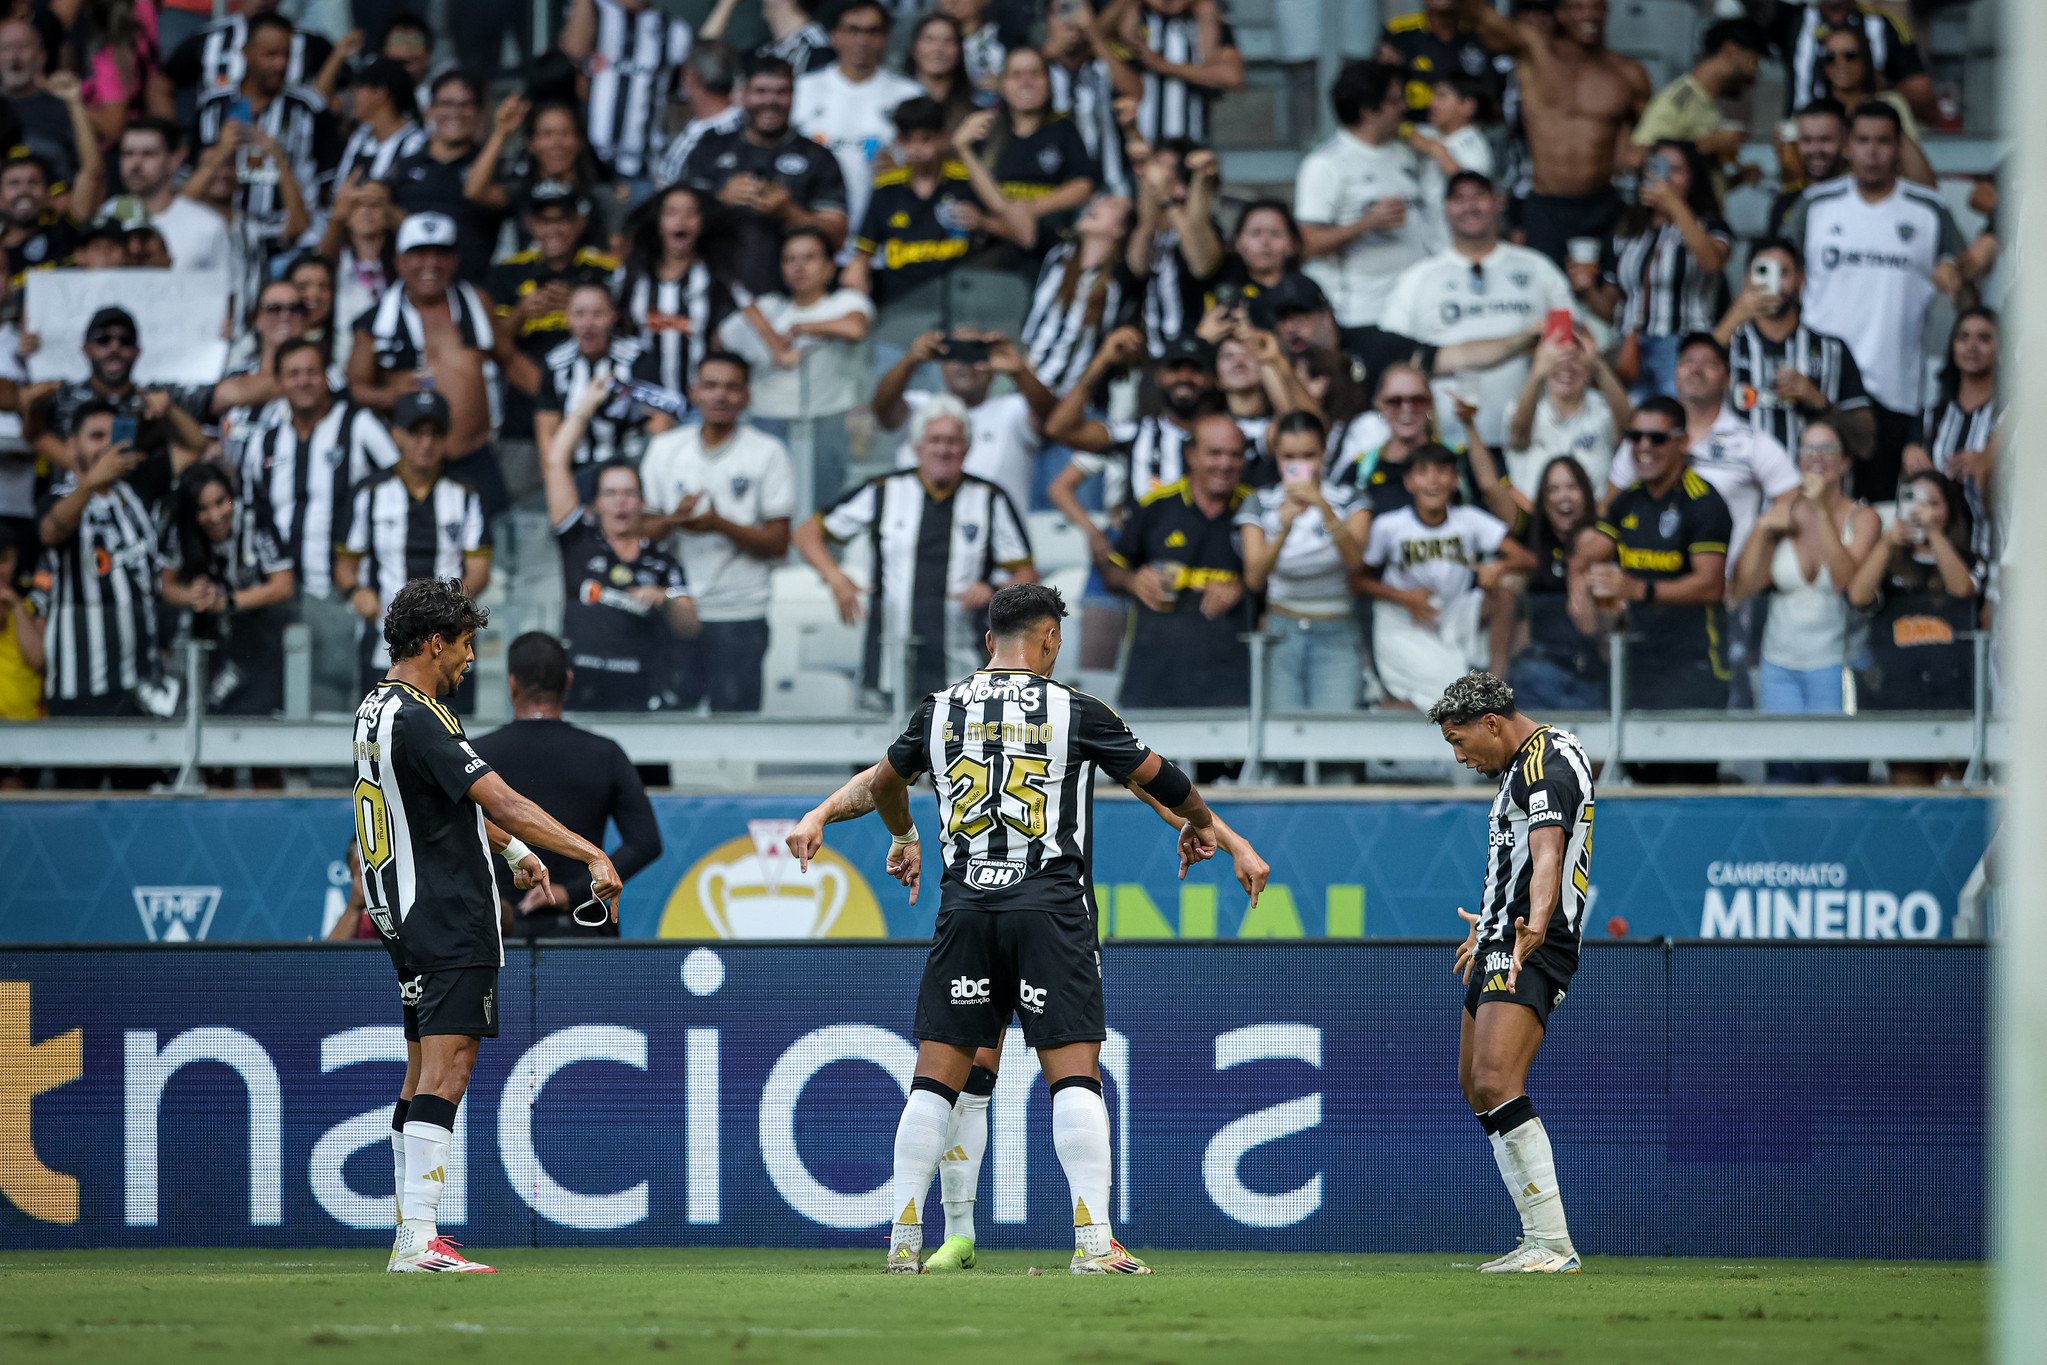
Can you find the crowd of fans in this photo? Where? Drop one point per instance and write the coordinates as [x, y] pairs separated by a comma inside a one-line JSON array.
[[1498, 385]]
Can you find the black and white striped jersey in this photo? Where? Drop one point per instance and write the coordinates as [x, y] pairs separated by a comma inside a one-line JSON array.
[[428, 880], [1173, 295], [297, 119], [1548, 785], [1013, 755], [1071, 311], [372, 157], [1087, 96], [99, 605], [212, 59], [920, 552], [1146, 455], [307, 483], [564, 375], [399, 538], [806, 49], [677, 320], [1664, 292], [668, 170], [398, 333], [1169, 106], [1950, 429], [1753, 362], [631, 70]]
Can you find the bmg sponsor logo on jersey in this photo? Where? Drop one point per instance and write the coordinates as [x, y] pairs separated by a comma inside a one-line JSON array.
[[1811, 900]]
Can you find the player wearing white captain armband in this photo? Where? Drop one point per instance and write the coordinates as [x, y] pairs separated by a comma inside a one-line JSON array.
[[1013, 755]]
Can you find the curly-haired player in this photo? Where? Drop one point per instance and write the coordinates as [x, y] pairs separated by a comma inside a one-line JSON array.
[[421, 794], [1518, 958]]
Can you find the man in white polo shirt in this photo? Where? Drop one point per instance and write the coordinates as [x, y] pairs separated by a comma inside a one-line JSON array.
[[1876, 250], [728, 491], [850, 105], [1358, 196], [1481, 289]]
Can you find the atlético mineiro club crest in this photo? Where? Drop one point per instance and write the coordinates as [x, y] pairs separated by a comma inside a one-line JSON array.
[[176, 914]]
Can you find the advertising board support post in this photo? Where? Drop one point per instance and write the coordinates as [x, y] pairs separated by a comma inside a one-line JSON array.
[[188, 781], [2018, 1099]]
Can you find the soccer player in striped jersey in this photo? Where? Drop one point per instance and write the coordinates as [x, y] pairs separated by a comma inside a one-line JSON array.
[[1013, 756], [1518, 958], [420, 798]]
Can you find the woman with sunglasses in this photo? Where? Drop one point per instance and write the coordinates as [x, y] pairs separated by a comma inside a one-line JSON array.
[[1377, 455], [1663, 275], [247, 395], [1804, 554], [1852, 75]]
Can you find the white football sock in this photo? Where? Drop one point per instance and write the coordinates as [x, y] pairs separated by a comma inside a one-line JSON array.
[[1535, 1176], [959, 1174], [398, 1171], [426, 1158], [920, 1142], [1080, 1134], [1509, 1175]]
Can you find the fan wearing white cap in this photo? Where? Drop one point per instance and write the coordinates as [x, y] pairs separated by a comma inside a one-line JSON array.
[[433, 331]]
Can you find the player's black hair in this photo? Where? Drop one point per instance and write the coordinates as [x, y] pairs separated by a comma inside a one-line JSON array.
[[539, 664], [1883, 113], [718, 357], [1743, 33], [1666, 407], [1478, 693], [427, 607], [919, 115], [1020, 606], [1360, 88], [1435, 452]]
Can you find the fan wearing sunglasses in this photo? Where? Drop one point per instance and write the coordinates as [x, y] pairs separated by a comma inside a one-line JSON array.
[[1657, 568], [1851, 71], [156, 421]]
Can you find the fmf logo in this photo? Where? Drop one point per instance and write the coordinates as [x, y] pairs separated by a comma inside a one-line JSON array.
[[176, 914], [966, 990]]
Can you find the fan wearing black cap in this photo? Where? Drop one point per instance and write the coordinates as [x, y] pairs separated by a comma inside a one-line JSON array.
[[166, 435], [532, 286], [431, 331], [102, 245], [387, 125], [412, 521]]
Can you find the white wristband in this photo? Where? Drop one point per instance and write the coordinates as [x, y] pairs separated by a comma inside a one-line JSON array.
[[514, 853], [901, 840]]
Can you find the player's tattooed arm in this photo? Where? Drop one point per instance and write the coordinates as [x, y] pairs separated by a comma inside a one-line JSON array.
[[849, 802]]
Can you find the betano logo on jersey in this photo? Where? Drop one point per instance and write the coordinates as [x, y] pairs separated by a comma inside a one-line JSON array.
[[750, 887]]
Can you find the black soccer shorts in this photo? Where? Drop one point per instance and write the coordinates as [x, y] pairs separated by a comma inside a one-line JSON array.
[[462, 1001], [985, 965], [1545, 978]]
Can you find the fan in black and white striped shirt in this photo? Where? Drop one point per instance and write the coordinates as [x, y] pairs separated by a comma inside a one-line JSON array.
[[1963, 425], [410, 522], [675, 302], [629, 50], [1084, 88], [1083, 294], [934, 540], [100, 561], [1138, 456], [1783, 374], [212, 59], [1654, 259], [1170, 33], [619, 427], [295, 116], [306, 467], [387, 126]]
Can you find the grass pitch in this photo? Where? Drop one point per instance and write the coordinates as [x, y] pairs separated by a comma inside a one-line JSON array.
[[769, 1306]]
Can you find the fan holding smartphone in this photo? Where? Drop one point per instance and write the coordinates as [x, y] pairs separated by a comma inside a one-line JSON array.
[[1784, 376]]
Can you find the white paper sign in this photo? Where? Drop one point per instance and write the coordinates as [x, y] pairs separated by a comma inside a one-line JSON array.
[[178, 316]]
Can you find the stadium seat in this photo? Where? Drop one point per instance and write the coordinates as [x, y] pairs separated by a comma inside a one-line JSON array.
[[1056, 543]]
